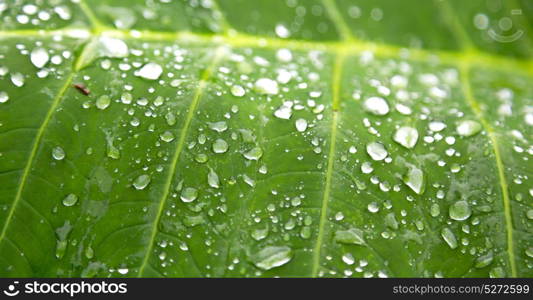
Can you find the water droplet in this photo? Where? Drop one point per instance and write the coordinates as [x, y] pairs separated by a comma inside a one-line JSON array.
[[266, 86], [123, 271], [449, 237], [254, 154], [17, 79], [260, 233], [237, 91], [189, 194], [212, 179], [377, 106], [350, 236], [103, 102], [301, 125], [70, 200], [220, 146], [218, 126], [406, 136], [167, 136], [201, 158], [436, 126], [282, 31], [484, 260], [150, 71], [460, 211], [529, 252], [468, 128], [414, 178], [171, 119], [3, 97], [376, 150], [58, 153], [141, 182], [271, 257], [283, 112], [39, 57], [112, 47], [529, 214]]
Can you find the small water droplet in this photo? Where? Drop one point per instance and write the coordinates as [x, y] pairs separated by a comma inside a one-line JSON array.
[[377, 106], [350, 236], [237, 91], [266, 86], [271, 257], [142, 182], [212, 179], [449, 237], [460, 211], [376, 151], [150, 71], [17, 79], [39, 57], [70, 200], [301, 125], [414, 178], [3, 97], [254, 154], [58, 153], [218, 126], [189, 194], [406, 136], [103, 102], [220, 146], [167, 136], [468, 128]]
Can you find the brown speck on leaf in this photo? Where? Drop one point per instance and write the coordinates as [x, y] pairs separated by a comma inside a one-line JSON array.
[[82, 88]]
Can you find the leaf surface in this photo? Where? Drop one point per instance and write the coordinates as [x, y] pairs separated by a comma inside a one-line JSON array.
[[298, 139]]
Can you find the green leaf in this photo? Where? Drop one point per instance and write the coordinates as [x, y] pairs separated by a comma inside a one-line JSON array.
[[238, 138]]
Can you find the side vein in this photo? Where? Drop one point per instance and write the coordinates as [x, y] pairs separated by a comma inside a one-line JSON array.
[[465, 71], [181, 143], [337, 19], [37, 142], [337, 72]]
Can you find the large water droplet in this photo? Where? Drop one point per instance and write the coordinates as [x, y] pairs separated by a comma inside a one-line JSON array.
[[189, 194], [39, 57], [377, 106], [376, 150], [460, 211], [271, 257], [141, 182], [406, 136]]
